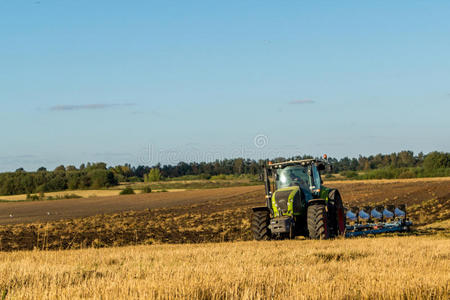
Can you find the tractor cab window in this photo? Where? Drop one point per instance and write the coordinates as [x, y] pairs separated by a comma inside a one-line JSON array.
[[316, 175], [293, 176]]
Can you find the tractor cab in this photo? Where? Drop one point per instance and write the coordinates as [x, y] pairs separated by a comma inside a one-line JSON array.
[[302, 173], [307, 177]]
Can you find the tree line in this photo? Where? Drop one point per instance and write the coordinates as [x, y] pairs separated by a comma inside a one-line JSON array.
[[98, 175]]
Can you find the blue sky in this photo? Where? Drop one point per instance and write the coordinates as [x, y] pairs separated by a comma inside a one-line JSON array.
[[146, 82]]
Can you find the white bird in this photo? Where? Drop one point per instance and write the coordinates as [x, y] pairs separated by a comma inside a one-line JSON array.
[[10, 215], [48, 213]]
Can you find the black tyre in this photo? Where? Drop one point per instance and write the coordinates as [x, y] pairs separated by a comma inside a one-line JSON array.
[[260, 225], [317, 221], [336, 214]]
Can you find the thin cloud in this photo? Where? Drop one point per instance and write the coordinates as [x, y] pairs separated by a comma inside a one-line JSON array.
[[95, 106], [302, 102], [113, 154], [21, 156]]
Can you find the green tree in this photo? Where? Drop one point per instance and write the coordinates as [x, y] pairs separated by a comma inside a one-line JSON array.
[[73, 180], [60, 168], [102, 178], [154, 175], [238, 166], [406, 159], [436, 160]]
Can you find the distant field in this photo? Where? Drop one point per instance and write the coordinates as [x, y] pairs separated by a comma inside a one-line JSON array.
[[160, 186], [377, 181], [183, 185], [213, 257], [196, 184], [361, 268], [82, 193]]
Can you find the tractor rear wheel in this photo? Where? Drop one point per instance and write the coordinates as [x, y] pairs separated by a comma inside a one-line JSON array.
[[260, 225], [336, 214], [317, 221]]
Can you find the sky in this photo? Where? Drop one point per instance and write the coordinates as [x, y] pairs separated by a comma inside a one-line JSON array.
[[143, 82]]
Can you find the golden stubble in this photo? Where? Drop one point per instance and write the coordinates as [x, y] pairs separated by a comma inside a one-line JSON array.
[[363, 268]]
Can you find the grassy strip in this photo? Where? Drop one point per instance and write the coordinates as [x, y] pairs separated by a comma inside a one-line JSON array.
[[394, 173]]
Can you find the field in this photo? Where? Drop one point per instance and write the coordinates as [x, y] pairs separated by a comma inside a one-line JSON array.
[[159, 186], [214, 215], [196, 244], [364, 268], [62, 194]]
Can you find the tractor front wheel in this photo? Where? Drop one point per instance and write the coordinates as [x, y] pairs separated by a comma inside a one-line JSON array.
[[260, 225], [317, 221]]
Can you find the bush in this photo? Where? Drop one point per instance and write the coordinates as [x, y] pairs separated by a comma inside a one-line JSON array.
[[32, 197], [220, 177], [72, 196], [385, 173], [134, 179], [127, 191], [146, 189], [66, 196], [202, 176], [407, 174], [349, 174]]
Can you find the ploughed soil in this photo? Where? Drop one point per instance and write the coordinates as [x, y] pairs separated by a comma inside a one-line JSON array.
[[211, 215], [51, 210]]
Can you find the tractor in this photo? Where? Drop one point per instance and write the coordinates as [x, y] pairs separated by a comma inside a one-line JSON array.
[[297, 204]]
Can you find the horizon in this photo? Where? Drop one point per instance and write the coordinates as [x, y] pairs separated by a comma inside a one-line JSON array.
[[108, 166], [163, 83]]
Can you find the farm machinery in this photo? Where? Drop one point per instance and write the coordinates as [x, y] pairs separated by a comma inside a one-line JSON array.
[[297, 204]]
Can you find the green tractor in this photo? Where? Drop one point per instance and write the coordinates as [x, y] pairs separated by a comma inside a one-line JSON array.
[[298, 204]]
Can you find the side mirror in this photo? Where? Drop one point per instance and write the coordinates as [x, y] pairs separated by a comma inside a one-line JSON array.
[[320, 167]]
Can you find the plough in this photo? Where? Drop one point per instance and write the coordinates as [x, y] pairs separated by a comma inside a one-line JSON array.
[[376, 220]]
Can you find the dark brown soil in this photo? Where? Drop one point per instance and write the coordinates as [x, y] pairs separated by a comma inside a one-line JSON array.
[[45, 211], [186, 217]]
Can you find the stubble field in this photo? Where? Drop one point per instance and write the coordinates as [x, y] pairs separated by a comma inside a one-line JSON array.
[[381, 268]]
